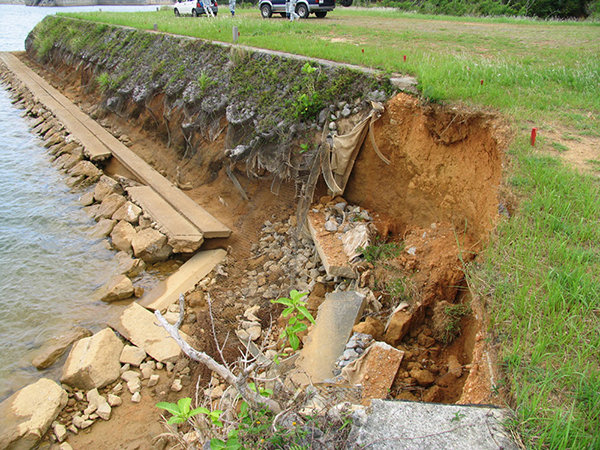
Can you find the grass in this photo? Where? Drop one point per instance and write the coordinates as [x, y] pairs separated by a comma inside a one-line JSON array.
[[540, 270]]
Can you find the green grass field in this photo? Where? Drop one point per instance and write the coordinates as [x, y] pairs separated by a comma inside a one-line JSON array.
[[540, 273]]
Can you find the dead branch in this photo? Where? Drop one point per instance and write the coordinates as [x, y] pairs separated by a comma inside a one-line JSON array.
[[254, 399]]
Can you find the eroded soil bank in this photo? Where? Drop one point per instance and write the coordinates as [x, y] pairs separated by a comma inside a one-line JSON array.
[[437, 200]]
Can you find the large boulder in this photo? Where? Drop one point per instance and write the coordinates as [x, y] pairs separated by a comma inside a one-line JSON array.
[[93, 362], [122, 235], [55, 348], [27, 414], [118, 288], [110, 205], [128, 212], [105, 187], [87, 170], [151, 245]]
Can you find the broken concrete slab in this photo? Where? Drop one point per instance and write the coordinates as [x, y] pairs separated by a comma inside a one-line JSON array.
[[398, 425], [140, 327], [375, 370], [183, 236], [326, 342], [26, 415], [94, 361], [330, 247], [184, 280]]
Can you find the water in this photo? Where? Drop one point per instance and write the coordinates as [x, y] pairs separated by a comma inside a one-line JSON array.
[[50, 267]]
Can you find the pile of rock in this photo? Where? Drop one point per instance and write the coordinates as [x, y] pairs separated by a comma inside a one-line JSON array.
[[356, 346], [131, 231]]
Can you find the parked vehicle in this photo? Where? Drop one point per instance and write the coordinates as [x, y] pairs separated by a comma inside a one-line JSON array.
[[319, 8], [194, 7]]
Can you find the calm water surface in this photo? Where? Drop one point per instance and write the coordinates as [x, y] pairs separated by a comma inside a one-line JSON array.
[[50, 266]]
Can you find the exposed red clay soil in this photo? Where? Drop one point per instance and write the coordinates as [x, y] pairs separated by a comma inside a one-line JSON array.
[[439, 197]]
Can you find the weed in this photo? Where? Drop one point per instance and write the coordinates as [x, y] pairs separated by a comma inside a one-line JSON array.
[[105, 83], [559, 147], [380, 250], [182, 412], [446, 320], [295, 311]]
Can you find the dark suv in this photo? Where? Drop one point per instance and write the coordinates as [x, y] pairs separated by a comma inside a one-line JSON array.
[[303, 7]]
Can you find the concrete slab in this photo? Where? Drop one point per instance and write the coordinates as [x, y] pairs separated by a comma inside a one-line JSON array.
[[326, 342], [99, 143], [395, 425], [375, 371], [183, 236], [140, 327], [182, 281], [330, 247], [70, 115]]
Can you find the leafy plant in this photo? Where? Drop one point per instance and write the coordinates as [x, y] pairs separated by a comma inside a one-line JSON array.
[[181, 411], [104, 81], [295, 311], [204, 81]]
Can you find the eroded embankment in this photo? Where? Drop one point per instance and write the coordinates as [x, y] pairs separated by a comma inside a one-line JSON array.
[[205, 116]]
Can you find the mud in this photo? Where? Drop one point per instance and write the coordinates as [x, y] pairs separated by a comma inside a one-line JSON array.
[[439, 199]]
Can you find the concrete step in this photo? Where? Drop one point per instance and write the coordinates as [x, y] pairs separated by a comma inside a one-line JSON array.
[[99, 144], [327, 341], [140, 327], [184, 280], [69, 115], [183, 236], [400, 425]]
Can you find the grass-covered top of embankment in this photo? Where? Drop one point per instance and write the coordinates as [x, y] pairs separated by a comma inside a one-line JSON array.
[[540, 274]]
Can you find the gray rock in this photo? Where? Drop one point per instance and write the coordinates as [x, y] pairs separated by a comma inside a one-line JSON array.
[[128, 212], [151, 246], [134, 385], [26, 415], [132, 355], [122, 236], [105, 187], [104, 411], [153, 381], [110, 205], [136, 397], [118, 288], [103, 228], [94, 361], [87, 199], [56, 347], [332, 126], [129, 266], [60, 431], [346, 111], [86, 169], [114, 400], [130, 375]]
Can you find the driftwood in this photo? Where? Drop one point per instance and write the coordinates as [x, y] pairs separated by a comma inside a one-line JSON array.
[[240, 382]]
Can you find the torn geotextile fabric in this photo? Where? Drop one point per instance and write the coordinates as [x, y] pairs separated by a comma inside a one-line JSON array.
[[345, 151]]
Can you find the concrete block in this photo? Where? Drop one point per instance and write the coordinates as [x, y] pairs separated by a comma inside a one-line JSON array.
[[326, 342], [184, 280], [399, 425]]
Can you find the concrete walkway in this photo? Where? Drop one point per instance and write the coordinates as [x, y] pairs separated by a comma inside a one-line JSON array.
[[100, 144]]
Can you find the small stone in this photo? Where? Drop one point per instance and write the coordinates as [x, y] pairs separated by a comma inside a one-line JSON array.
[[332, 126], [153, 381], [114, 400], [73, 429], [78, 396], [170, 366], [125, 368], [118, 388], [331, 225], [104, 411], [134, 385], [176, 386], [146, 373], [132, 355], [136, 397], [159, 366], [66, 445], [130, 375], [60, 431], [87, 199]]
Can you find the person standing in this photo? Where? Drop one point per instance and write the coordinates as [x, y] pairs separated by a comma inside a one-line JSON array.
[[232, 7]]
